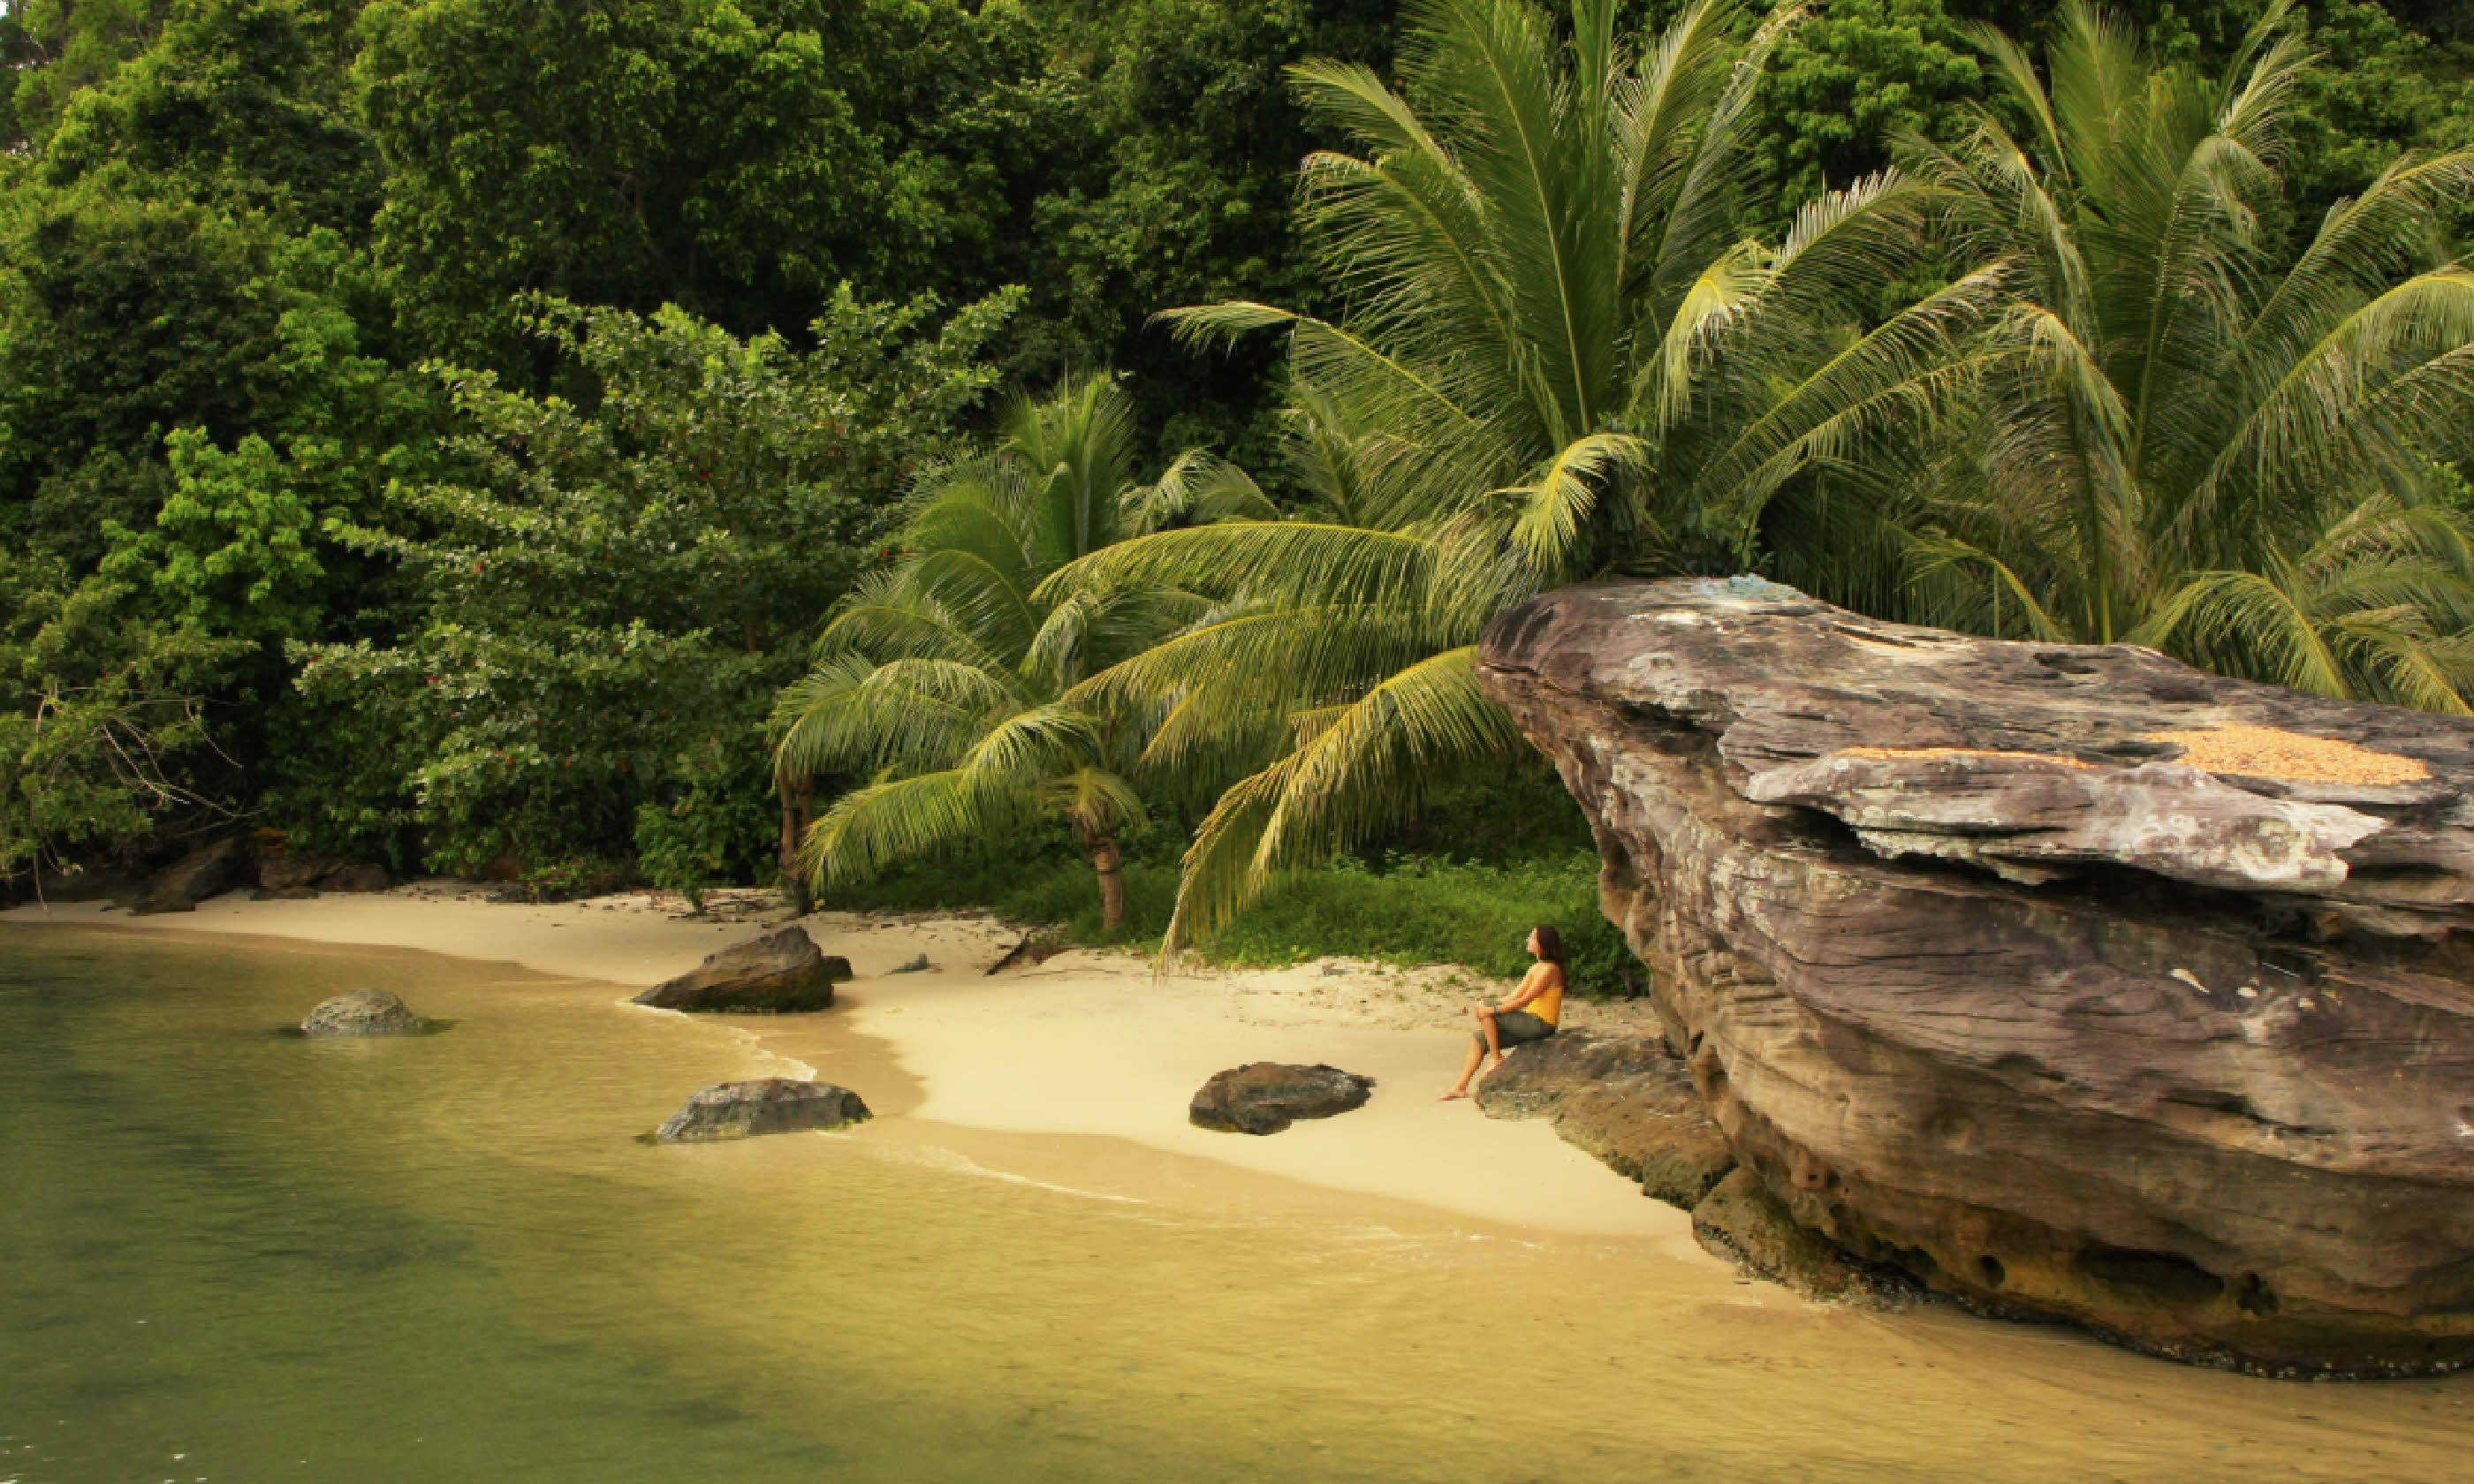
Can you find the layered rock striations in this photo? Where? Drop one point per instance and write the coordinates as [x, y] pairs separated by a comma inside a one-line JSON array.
[[2074, 981]]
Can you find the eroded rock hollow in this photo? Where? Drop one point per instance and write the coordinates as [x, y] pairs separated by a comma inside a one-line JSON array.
[[2076, 982]]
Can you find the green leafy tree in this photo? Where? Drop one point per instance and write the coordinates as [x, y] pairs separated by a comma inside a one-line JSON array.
[[736, 157], [1563, 355], [104, 711], [1847, 80], [611, 589], [1173, 184], [122, 318], [242, 103], [234, 550], [180, 254], [2188, 443], [942, 680], [197, 372], [56, 47], [2380, 89]]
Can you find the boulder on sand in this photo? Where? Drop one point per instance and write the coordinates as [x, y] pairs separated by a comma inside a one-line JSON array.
[[1265, 1097], [210, 871], [781, 973], [2074, 981], [766, 1105], [1536, 1076], [364, 1013], [354, 876], [284, 873]]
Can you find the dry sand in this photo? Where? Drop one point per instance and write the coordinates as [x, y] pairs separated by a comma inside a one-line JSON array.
[[1086, 1044]]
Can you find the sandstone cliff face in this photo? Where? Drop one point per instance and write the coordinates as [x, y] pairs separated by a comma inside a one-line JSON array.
[[2076, 982]]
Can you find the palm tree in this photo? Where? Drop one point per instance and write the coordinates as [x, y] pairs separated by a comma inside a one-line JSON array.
[[2181, 445], [943, 680], [1559, 355]]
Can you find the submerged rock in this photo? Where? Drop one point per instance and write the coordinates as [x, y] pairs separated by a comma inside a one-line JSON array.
[[210, 871], [364, 1013], [766, 1105], [2074, 981], [1265, 1097], [781, 971]]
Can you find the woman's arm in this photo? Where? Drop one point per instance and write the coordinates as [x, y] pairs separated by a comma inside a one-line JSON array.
[[1532, 985]]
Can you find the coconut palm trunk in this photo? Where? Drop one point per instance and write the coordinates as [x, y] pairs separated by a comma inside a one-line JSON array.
[[1110, 863], [798, 796]]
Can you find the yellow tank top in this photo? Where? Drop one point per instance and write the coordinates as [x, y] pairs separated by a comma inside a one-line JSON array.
[[1548, 1006]]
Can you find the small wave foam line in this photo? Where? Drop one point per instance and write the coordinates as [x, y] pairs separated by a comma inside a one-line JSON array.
[[1896, 753], [752, 1042], [2273, 753], [937, 1159]]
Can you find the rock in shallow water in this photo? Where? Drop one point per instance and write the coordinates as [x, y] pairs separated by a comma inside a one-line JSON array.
[[364, 1013], [780, 972], [766, 1105], [2074, 981], [1265, 1097]]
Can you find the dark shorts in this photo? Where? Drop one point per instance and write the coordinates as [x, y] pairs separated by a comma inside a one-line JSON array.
[[1512, 1027]]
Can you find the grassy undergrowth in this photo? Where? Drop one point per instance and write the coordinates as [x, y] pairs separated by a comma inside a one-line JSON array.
[[1484, 862], [1408, 910], [1426, 910]]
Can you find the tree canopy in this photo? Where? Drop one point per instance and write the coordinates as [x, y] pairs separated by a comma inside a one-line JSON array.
[[439, 428]]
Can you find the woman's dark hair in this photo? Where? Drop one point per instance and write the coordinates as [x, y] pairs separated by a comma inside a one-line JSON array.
[[1550, 946]]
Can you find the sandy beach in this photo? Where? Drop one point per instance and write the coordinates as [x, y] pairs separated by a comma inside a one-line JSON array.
[[1087, 1044]]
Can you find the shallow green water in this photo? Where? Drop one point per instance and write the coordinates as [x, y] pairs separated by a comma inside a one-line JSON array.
[[231, 1254]]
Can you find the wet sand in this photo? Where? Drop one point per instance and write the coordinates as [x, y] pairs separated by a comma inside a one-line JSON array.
[[1083, 1043]]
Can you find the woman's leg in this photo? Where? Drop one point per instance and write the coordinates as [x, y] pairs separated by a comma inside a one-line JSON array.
[[1493, 1037], [1468, 1069]]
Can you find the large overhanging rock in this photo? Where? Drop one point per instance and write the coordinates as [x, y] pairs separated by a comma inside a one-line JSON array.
[[2076, 981]]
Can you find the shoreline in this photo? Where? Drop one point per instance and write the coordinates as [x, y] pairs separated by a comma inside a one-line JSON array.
[[1054, 1059]]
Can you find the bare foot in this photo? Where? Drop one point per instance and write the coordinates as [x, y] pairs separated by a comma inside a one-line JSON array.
[[1453, 1093]]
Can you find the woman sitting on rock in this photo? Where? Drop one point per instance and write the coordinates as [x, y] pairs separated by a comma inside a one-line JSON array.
[[1530, 1014]]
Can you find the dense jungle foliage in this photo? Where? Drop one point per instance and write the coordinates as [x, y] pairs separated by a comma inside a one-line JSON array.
[[655, 438]]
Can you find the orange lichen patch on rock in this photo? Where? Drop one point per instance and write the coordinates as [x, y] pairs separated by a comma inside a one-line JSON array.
[[2272, 752], [1955, 752]]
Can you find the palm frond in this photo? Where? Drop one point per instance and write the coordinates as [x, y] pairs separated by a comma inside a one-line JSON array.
[[1360, 771]]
